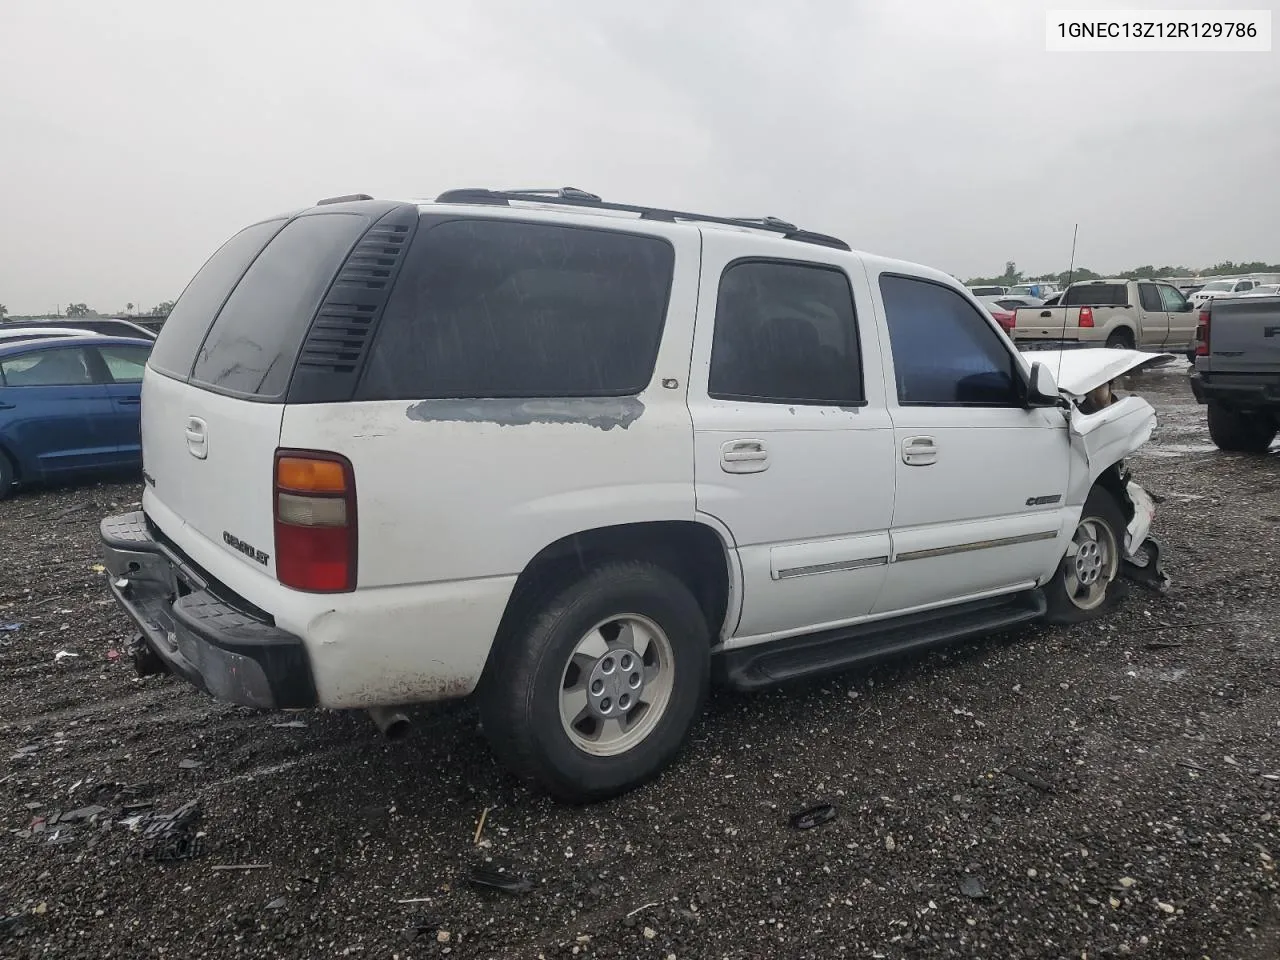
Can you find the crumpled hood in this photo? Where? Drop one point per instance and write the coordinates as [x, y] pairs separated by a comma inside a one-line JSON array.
[[1079, 371]]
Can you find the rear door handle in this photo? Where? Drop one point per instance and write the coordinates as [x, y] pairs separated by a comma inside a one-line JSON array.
[[128, 401], [744, 456], [919, 451], [6, 406]]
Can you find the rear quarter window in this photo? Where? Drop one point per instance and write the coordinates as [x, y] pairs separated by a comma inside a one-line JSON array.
[[501, 308], [187, 323], [253, 343], [1096, 295]]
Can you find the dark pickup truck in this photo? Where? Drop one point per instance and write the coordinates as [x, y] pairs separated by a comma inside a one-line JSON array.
[[1237, 372]]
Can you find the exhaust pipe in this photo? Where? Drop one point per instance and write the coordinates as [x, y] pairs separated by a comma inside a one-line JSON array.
[[391, 722]]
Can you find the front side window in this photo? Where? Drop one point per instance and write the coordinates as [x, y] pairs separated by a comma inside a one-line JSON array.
[[1172, 299], [125, 364], [785, 333], [502, 308], [48, 368], [945, 352]]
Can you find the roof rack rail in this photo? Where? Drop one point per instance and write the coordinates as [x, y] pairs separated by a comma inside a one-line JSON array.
[[573, 197], [347, 198]]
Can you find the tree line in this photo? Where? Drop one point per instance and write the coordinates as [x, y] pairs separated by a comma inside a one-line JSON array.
[[1012, 275], [161, 309]]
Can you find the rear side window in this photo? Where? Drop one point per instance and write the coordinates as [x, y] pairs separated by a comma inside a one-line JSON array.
[[48, 368], [1149, 297], [785, 333], [251, 348], [125, 364], [945, 352], [1096, 295], [496, 308], [180, 337]]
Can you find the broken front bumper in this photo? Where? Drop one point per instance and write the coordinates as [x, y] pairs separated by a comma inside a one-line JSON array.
[[227, 651], [1141, 562]]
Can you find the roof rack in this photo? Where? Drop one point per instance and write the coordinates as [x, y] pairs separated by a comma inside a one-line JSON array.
[[573, 197]]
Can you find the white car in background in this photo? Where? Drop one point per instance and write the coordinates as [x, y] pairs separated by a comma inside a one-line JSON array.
[[41, 333], [1222, 288]]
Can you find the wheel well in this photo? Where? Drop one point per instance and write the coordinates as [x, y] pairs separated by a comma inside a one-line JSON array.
[[10, 459], [691, 551], [1112, 481], [1126, 330]]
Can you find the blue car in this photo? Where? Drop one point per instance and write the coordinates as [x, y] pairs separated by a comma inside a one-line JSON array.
[[69, 405]]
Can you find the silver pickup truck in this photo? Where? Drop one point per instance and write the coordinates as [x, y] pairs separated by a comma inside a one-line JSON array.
[[1237, 372], [1126, 314]]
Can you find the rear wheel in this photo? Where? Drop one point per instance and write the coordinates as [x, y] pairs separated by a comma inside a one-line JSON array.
[[596, 687], [1239, 432], [1083, 587], [1120, 340]]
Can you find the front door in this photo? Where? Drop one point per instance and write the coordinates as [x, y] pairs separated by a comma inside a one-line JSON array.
[[981, 481], [1182, 319], [793, 444], [55, 412]]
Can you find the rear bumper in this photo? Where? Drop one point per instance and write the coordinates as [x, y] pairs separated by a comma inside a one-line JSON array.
[[229, 652], [1243, 390]]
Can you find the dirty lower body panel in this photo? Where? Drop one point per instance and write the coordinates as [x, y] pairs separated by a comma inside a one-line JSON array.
[[196, 629]]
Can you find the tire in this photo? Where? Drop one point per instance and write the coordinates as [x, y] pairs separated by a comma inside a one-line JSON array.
[[1120, 340], [555, 662], [6, 476], [1239, 432], [1072, 594]]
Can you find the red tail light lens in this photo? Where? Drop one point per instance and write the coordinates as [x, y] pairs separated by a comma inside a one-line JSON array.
[[1006, 319], [1086, 317], [1202, 334], [315, 520]]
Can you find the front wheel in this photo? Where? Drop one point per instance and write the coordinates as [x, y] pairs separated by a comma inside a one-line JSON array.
[[597, 686], [1083, 587]]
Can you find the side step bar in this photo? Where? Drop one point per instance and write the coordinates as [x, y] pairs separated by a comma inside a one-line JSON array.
[[766, 664]]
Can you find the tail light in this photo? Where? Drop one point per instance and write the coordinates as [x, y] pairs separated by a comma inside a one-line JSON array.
[[1086, 317], [1004, 318], [315, 518], [1202, 333]]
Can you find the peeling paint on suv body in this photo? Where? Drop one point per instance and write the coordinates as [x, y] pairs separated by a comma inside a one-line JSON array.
[[603, 413]]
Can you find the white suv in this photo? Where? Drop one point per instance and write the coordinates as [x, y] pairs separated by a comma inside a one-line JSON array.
[[576, 457]]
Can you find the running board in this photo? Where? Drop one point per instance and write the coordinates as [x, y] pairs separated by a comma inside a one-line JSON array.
[[766, 664]]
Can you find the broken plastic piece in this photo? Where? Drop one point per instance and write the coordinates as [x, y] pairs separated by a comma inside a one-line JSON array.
[[813, 817], [499, 878], [167, 837]]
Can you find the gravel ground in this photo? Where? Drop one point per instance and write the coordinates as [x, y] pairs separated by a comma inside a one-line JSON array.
[[1106, 790]]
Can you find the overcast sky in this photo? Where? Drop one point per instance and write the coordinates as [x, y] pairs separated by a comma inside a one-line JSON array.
[[136, 136]]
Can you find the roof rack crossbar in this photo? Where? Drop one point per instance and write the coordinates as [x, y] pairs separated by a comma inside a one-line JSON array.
[[573, 197]]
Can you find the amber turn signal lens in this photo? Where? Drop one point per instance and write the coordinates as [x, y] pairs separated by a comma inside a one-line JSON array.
[[310, 476]]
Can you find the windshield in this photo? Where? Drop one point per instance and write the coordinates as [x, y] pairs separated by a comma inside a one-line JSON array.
[[1219, 285]]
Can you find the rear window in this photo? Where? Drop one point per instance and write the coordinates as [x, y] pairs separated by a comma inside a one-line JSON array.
[[175, 349], [251, 348], [1096, 295], [496, 308]]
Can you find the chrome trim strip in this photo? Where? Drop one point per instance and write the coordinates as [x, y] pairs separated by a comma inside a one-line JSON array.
[[836, 566], [977, 545]]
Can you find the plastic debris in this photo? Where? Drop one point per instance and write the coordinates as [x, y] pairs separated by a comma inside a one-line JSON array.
[[98, 568], [290, 725], [500, 878], [279, 903], [171, 836], [813, 817], [972, 887], [10, 627], [63, 655], [189, 764]]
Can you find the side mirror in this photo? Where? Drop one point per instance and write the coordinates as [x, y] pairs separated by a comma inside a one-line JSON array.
[[1042, 390]]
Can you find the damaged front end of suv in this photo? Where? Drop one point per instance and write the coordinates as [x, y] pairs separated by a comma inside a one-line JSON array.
[[1106, 427]]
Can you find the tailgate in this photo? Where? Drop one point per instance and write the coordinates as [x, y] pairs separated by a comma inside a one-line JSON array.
[[208, 460], [1244, 335], [1046, 323]]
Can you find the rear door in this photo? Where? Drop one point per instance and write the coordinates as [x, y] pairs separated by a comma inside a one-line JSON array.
[[212, 397], [124, 365], [53, 411], [1153, 329], [793, 446]]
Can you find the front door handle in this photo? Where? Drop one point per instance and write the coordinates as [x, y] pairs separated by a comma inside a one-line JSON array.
[[128, 401], [919, 451], [5, 406], [744, 456]]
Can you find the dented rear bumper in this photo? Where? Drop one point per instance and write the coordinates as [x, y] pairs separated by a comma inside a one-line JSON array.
[[230, 652]]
